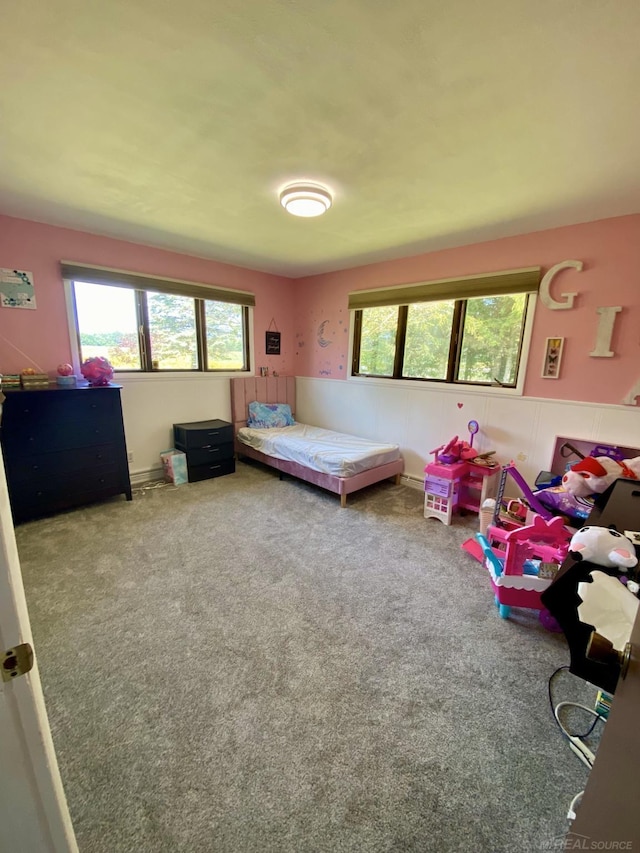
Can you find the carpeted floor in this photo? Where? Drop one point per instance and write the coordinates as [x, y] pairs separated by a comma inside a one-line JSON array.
[[239, 665]]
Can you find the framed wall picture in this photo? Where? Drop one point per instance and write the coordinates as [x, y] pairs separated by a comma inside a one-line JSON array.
[[552, 358], [272, 343], [16, 289]]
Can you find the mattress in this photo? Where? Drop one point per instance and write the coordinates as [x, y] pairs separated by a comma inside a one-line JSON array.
[[320, 449]]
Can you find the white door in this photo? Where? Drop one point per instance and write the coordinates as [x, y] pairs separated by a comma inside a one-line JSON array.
[[33, 810]]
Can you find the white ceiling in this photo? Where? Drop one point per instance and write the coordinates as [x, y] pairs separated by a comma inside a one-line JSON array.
[[436, 124]]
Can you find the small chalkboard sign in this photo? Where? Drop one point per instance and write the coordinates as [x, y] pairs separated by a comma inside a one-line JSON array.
[[272, 343]]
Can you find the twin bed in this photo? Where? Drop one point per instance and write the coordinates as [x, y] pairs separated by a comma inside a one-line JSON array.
[[340, 463]]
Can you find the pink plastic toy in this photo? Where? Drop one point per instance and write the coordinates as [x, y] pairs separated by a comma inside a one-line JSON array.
[[514, 571], [454, 451], [97, 370]]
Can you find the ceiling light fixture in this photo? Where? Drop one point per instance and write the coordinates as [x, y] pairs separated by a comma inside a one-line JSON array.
[[304, 199]]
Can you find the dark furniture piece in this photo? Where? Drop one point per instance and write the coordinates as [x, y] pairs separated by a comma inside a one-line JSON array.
[[620, 506], [208, 446], [63, 448], [607, 812]]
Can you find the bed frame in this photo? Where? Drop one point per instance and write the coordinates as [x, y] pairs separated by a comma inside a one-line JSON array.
[[282, 389]]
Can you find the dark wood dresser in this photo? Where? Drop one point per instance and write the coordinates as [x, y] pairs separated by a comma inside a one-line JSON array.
[[208, 446], [63, 447]]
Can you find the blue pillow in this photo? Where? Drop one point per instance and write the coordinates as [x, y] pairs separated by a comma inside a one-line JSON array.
[[268, 415]]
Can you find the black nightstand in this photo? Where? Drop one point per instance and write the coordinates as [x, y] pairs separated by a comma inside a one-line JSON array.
[[208, 446]]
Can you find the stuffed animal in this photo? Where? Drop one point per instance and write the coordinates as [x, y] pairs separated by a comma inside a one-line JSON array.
[[594, 474], [454, 451], [603, 546]]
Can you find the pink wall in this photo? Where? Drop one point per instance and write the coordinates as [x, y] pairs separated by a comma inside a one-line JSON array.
[[610, 252], [42, 334], [312, 313]]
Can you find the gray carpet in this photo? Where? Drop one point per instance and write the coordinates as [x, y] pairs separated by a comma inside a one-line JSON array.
[[240, 665]]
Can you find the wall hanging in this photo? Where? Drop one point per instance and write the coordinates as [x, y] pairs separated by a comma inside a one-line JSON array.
[[552, 358], [272, 339], [16, 289]]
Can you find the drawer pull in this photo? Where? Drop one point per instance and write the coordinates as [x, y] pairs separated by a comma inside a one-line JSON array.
[[213, 433], [214, 467], [214, 450]]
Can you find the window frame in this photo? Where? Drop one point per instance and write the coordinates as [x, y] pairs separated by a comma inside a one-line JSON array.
[[455, 350], [140, 286]]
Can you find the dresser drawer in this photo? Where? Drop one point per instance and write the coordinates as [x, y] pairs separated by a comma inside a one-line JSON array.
[[206, 472], [30, 499], [42, 466], [59, 423], [207, 455], [202, 434]]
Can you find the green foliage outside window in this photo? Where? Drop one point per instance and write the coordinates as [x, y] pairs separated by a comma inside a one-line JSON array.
[[172, 330], [225, 336], [426, 351], [147, 330], [491, 339], [476, 340], [378, 347], [107, 324]]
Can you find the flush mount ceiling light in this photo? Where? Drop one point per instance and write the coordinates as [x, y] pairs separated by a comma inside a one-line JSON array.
[[305, 199]]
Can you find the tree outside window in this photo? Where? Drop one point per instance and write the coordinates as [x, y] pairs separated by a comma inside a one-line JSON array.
[[146, 330], [474, 341]]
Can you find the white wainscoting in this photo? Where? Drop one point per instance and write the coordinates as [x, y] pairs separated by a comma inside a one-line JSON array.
[[151, 405], [416, 416], [421, 417]]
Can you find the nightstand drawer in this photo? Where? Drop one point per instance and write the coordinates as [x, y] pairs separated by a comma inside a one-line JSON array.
[[202, 434], [216, 469], [207, 455]]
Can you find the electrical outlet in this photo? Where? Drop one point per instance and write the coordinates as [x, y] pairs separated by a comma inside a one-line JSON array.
[[130, 456]]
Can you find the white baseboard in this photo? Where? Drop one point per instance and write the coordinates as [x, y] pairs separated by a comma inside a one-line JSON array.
[[412, 482], [139, 478]]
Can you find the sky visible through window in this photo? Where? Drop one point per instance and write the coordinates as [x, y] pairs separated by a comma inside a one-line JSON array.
[[105, 309]]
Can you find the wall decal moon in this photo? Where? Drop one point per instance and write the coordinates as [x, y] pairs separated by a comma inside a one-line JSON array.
[[322, 340]]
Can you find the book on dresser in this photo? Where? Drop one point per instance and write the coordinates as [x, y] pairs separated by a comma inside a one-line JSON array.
[[63, 448]]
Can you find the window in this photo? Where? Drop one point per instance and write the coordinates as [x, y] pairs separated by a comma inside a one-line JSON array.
[[412, 332], [145, 324]]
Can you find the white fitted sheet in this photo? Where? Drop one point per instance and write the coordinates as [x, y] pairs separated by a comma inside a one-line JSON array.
[[320, 449]]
